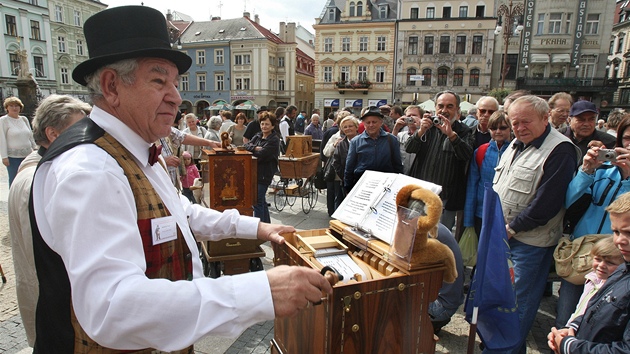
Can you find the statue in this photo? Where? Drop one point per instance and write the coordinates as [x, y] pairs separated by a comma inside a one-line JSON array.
[[23, 72]]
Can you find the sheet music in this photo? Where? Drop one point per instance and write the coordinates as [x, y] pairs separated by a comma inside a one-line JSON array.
[[343, 264], [360, 198]]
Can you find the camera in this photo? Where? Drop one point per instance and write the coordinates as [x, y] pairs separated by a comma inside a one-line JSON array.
[[607, 155], [436, 120], [409, 120]]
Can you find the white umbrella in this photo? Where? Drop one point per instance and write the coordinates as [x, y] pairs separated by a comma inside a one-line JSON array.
[[428, 105], [466, 105]]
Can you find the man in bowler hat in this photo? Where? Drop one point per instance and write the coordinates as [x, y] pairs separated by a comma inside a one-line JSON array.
[[105, 284]]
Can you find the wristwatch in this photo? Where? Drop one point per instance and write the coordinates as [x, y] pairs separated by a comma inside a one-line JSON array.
[[509, 230]]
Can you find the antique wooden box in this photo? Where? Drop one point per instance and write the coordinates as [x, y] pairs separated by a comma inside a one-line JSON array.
[[299, 145], [387, 314]]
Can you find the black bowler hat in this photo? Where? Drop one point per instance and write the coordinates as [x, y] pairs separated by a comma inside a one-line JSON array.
[[127, 32], [262, 109], [372, 111]]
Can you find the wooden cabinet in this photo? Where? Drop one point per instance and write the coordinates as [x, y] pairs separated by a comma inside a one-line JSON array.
[[232, 179], [388, 314]]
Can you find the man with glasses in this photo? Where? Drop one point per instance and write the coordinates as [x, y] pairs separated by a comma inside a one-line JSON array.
[[443, 152], [486, 105], [559, 105]]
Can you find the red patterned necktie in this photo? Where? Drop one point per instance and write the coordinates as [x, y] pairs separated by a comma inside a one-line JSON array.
[[154, 153]]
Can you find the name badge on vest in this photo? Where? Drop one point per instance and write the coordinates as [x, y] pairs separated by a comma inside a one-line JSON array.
[[163, 229]]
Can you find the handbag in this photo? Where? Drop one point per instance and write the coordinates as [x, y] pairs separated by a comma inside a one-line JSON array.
[[573, 257], [329, 171]]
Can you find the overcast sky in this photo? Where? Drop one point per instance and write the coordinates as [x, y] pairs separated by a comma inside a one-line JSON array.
[[270, 12]]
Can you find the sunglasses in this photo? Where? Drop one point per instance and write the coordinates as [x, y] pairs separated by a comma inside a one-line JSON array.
[[484, 111], [505, 127]]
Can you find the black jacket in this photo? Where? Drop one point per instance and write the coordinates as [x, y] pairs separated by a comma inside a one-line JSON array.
[[267, 157]]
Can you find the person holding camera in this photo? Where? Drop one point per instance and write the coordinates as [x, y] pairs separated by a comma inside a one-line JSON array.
[[581, 129], [404, 129], [602, 178]]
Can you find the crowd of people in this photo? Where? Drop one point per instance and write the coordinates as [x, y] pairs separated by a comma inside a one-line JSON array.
[[114, 270]]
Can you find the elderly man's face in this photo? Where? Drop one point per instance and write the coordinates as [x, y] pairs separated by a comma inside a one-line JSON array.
[[583, 125], [560, 112], [527, 124], [149, 104], [485, 108], [446, 105], [372, 125]]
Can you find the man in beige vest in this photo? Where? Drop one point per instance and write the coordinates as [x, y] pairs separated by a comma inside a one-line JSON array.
[[532, 179]]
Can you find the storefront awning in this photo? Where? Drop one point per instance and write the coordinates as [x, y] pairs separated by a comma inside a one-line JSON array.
[[539, 58], [560, 58]]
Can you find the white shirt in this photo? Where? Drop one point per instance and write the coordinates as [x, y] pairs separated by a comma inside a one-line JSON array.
[[284, 128], [86, 213]]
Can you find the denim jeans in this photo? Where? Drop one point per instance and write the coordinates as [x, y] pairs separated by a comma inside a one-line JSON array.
[[261, 210], [567, 301], [531, 270], [14, 164]]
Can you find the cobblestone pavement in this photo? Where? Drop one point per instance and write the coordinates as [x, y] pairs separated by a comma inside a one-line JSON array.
[[256, 339]]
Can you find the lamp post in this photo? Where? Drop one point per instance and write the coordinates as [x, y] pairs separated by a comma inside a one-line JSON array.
[[510, 13], [526, 68]]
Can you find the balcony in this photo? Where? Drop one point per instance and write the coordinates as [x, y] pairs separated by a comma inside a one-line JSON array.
[[577, 84], [362, 85]]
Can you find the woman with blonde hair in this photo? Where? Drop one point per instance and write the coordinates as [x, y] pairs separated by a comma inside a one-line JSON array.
[[16, 136]]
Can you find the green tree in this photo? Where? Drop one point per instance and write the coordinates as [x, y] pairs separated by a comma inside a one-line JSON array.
[[499, 93]]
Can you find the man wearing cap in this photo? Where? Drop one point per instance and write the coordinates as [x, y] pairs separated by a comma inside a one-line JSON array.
[[253, 127], [387, 120], [374, 149], [107, 282], [581, 129]]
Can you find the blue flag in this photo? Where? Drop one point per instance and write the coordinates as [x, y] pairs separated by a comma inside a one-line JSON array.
[[492, 287]]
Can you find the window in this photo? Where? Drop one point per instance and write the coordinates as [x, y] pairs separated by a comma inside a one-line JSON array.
[[442, 76], [477, 45], [281, 62], [58, 13], [218, 56], [79, 47], [32, 2], [363, 69], [344, 73], [363, 44], [430, 12], [620, 45], [460, 46], [567, 23], [345, 44], [35, 30], [64, 76], [413, 46], [219, 80], [446, 12], [428, 45], [592, 24], [272, 61], [328, 70], [201, 82], [480, 11], [463, 11], [445, 43], [238, 59], [39, 66], [61, 44], [511, 63], [359, 8], [239, 84], [183, 83], [328, 45], [382, 11], [380, 44], [15, 63], [427, 77], [611, 47], [411, 72], [11, 25], [541, 24], [458, 77], [352, 8], [280, 85], [414, 13], [380, 73], [331, 14], [474, 77], [247, 59], [246, 84], [77, 18], [555, 22], [201, 57]]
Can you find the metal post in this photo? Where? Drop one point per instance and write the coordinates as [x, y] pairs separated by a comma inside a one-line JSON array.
[[509, 13]]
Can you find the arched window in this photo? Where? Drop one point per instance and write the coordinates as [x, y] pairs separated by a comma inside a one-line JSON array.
[[427, 77], [458, 77], [352, 8], [359, 8], [442, 76], [411, 71], [474, 77]]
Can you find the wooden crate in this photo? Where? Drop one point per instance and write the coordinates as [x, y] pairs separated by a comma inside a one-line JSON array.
[[298, 167], [299, 145]]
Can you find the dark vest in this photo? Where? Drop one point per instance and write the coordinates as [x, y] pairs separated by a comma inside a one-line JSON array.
[[57, 328]]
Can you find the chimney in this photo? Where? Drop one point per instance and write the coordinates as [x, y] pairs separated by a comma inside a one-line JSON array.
[[256, 19], [169, 15], [290, 33], [283, 31], [246, 14], [215, 18]]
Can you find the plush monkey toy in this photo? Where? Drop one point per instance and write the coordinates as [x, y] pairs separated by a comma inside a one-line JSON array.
[[225, 141], [426, 250]]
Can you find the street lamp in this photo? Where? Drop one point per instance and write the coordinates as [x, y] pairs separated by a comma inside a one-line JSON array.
[[526, 67], [577, 68], [510, 14]]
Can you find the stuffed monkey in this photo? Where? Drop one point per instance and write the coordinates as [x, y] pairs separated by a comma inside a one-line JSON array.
[[426, 250], [225, 141]]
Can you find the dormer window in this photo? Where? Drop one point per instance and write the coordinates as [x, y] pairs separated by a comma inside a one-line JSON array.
[[331, 14], [360, 8], [382, 11], [352, 9]]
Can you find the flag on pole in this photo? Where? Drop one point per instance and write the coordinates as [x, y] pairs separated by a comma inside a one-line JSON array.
[[491, 296]]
